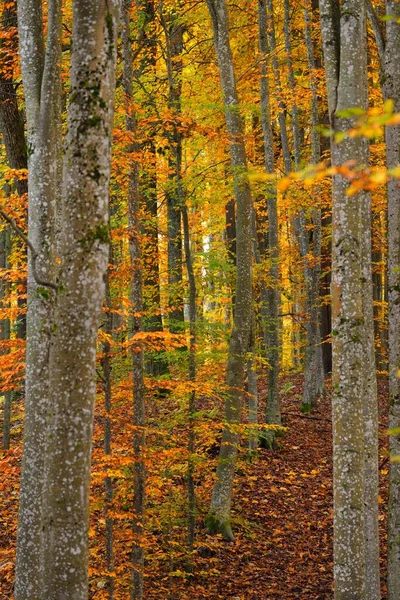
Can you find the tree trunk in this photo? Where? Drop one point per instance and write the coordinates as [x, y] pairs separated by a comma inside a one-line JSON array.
[[192, 378], [392, 91], [106, 364], [174, 45], [135, 250], [13, 134], [354, 386], [155, 362], [270, 294], [315, 158], [41, 78], [312, 366], [5, 330], [84, 258], [219, 515]]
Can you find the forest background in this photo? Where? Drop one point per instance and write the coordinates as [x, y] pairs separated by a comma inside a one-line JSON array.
[[177, 232]]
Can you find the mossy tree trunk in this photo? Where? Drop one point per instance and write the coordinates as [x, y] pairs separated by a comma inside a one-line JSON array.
[[83, 263], [219, 515], [356, 544]]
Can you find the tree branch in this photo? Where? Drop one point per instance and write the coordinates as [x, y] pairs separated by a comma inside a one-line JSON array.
[[34, 254]]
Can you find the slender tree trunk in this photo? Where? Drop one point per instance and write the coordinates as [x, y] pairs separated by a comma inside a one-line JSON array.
[[270, 295], [392, 91], [315, 316], [252, 390], [139, 471], [286, 155], [312, 366], [354, 385], [219, 515], [192, 378], [84, 259], [106, 363], [41, 77], [5, 331], [174, 45], [13, 134], [155, 362]]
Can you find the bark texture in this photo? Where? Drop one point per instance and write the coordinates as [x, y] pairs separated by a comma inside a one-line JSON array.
[[136, 292], [84, 258], [41, 76], [219, 515], [270, 296], [356, 545], [392, 91]]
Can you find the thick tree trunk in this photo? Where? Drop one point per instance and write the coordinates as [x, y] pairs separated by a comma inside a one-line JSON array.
[[84, 259], [392, 91], [219, 515], [356, 544]]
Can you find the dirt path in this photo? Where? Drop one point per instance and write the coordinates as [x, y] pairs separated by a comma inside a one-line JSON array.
[[283, 513]]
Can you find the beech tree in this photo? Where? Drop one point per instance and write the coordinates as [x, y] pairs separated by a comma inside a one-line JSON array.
[[392, 92], [41, 77], [354, 402], [270, 295], [219, 515], [63, 315]]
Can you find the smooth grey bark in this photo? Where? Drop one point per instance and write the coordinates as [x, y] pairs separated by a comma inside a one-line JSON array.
[[391, 89], [136, 293], [41, 78], [84, 257], [230, 239], [354, 402], [218, 518]]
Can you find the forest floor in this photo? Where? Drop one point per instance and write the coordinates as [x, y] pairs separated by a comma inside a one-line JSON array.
[[282, 517]]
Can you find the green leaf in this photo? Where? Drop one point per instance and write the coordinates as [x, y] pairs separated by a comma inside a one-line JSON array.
[[394, 431], [347, 113]]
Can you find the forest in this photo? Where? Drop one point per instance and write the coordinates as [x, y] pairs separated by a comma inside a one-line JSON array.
[[200, 299]]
